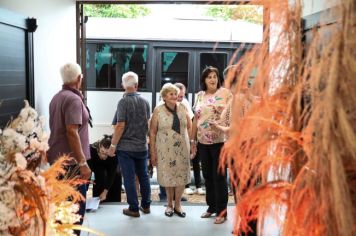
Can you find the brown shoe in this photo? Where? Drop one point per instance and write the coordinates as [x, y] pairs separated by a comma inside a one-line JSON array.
[[206, 215], [128, 212], [220, 219], [145, 210]]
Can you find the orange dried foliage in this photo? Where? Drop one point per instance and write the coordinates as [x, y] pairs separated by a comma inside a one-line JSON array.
[[61, 189], [292, 142]]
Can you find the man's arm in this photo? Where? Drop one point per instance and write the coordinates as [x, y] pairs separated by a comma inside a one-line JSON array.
[[76, 148], [118, 131]]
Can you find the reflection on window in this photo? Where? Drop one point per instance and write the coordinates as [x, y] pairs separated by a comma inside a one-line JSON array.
[[106, 63], [174, 67], [218, 60]]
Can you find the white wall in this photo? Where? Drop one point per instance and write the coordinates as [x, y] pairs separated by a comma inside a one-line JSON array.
[[102, 108], [313, 6], [54, 43]]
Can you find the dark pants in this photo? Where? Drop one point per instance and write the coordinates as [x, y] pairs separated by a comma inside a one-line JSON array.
[[215, 182], [162, 193], [196, 170], [132, 164]]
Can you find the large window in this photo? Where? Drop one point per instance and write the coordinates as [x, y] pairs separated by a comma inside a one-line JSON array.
[[174, 67], [106, 63]]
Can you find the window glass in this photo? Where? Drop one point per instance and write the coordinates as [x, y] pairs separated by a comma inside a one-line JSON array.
[[174, 67], [106, 63]]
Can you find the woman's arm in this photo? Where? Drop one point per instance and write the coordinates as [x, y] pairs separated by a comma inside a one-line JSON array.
[[153, 133], [193, 137], [189, 125]]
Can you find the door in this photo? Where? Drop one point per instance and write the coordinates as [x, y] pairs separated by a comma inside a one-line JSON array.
[[16, 64], [178, 65]]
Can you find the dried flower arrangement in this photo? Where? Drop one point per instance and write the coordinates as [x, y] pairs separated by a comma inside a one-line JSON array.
[[33, 201], [292, 149]]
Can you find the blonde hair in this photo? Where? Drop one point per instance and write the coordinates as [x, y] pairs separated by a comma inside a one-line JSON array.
[[168, 87], [70, 72]]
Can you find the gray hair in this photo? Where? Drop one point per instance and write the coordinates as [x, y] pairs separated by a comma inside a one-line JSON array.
[[70, 72], [129, 79], [168, 87], [181, 86]]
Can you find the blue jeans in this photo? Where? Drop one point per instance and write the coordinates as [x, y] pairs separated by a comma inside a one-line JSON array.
[[162, 193], [132, 164]]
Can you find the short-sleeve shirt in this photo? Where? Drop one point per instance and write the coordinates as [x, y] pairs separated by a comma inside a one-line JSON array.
[[67, 108], [209, 110], [134, 110]]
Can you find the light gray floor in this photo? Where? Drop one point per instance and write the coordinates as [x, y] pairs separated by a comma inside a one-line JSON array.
[[109, 220]]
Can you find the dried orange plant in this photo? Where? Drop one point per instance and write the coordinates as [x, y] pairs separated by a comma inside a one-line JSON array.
[[34, 201], [292, 145]]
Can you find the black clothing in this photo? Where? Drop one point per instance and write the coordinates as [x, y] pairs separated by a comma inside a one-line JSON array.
[[215, 182], [107, 176]]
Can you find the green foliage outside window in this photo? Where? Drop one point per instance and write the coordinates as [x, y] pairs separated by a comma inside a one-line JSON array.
[[250, 13], [113, 10]]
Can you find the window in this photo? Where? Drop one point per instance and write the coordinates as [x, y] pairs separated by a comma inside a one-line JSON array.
[[174, 67], [106, 63]]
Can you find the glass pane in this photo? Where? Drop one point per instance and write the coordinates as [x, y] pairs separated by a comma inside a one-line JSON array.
[[218, 60], [111, 61], [174, 67]]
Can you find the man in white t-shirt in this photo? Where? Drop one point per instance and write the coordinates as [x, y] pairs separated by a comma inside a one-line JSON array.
[[182, 99]]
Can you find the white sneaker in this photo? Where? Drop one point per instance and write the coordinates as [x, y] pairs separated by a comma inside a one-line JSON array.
[[201, 191], [188, 191]]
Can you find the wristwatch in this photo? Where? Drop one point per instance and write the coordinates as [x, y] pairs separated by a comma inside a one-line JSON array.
[[83, 163], [112, 146], [193, 141]]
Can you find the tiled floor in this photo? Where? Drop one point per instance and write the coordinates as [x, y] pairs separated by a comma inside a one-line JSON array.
[[110, 221]]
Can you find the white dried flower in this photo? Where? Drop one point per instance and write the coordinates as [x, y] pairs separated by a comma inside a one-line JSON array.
[[8, 217], [12, 140], [42, 121], [6, 170], [41, 182], [7, 195], [21, 162], [39, 146], [28, 112], [28, 127]]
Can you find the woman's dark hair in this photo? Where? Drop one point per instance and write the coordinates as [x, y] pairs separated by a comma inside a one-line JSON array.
[[106, 141], [205, 74]]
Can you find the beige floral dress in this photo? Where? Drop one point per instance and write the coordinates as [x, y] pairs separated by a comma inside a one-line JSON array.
[[173, 162]]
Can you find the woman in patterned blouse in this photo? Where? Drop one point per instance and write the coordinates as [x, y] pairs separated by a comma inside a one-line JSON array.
[[210, 103]]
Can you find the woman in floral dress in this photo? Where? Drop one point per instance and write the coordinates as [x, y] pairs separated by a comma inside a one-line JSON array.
[[209, 105], [169, 147]]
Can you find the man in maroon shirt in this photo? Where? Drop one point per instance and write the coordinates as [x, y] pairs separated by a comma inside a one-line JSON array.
[[68, 121]]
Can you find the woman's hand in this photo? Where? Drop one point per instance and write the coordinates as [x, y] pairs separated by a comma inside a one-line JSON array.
[[102, 196], [153, 159]]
